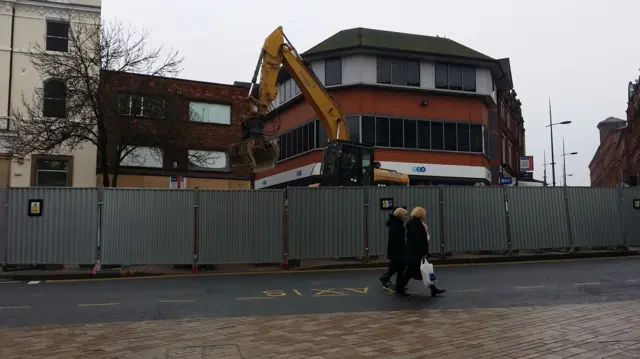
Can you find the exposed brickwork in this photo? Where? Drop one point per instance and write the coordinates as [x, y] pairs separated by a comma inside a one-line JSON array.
[[510, 129], [604, 330], [177, 94]]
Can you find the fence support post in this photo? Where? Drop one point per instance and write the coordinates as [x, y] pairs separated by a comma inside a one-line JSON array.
[[566, 210], [441, 200], [366, 224], [196, 250], [625, 240], [285, 237], [507, 220], [97, 267]]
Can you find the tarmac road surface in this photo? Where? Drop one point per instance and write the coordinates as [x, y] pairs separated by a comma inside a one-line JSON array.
[[312, 292]]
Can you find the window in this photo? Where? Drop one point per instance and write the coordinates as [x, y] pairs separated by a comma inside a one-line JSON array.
[[424, 135], [396, 130], [437, 136], [382, 131], [410, 134], [200, 160], [455, 77], [307, 140], [353, 126], [450, 137], [142, 157], [333, 71], [463, 137], [57, 36], [475, 138], [54, 95], [321, 135], [52, 171], [297, 141], [368, 130], [142, 106], [398, 72], [210, 113]]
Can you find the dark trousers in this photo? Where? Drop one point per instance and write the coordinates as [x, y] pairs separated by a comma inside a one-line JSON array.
[[403, 278], [395, 267]]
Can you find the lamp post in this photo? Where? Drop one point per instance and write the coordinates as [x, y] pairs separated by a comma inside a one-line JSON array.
[[564, 162], [553, 161], [544, 166], [569, 175]]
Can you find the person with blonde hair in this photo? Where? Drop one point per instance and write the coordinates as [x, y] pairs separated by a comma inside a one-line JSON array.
[[416, 248], [395, 244]]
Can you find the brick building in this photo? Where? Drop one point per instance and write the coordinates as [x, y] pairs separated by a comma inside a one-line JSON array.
[[426, 103], [179, 127], [511, 139], [617, 159]]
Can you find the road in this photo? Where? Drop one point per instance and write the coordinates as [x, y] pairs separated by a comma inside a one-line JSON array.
[[143, 299]]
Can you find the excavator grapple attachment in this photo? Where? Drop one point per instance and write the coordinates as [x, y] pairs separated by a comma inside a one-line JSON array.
[[257, 152]]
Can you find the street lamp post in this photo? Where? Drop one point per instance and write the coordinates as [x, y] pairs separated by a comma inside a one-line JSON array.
[[564, 162], [553, 161]]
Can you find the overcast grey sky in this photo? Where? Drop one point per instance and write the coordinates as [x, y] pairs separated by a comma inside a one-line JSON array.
[[581, 54]]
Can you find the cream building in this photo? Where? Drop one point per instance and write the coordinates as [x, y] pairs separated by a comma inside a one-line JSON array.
[[22, 24]]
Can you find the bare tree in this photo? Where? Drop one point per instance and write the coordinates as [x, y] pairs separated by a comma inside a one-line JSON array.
[[78, 103]]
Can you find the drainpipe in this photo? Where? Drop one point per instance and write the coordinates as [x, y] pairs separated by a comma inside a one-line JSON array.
[[11, 34]]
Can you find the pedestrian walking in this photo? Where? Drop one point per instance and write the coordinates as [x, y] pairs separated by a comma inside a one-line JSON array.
[[416, 248], [395, 244]]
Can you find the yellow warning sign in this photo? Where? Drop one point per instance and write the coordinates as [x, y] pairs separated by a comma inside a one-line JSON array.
[[35, 207]]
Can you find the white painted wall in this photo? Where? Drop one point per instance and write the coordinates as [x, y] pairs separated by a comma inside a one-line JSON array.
[[29, 29], [362, 69]]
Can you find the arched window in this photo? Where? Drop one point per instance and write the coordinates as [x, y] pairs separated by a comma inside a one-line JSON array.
[[55, 99]]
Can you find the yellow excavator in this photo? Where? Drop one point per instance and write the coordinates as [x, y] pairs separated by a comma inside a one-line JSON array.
[[344, 163]]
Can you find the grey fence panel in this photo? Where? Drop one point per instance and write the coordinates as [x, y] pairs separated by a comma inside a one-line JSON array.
[[474, 219], [630, 216], [4, 206], [241, 226], [428, 198], [594, 214], [147, 226], [326, 222], [537, 218], [65, 233]]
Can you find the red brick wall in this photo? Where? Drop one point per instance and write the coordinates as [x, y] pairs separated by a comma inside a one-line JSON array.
[[178, 93]]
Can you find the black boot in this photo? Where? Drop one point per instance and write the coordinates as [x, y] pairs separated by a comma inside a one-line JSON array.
[[385, 280], [435, 291], [401, 290]]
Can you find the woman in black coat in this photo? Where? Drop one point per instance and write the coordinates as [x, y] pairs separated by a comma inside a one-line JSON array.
[[395, 245], [416, 248]]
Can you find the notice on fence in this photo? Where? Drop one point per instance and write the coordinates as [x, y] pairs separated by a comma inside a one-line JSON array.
[[35, 207]]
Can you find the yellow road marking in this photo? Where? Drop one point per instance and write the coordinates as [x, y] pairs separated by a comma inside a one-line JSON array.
[[297, 292], [176, 301], [16, 307], [252, 298], [97, 304], [330, 270]]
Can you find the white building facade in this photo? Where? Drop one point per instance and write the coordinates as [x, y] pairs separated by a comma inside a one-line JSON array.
[[23, 24]]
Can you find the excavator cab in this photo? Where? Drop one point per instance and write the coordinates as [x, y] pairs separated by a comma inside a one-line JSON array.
[[346, 163]]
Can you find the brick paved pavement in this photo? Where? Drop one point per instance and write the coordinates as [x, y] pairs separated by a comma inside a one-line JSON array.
[[609, 330]]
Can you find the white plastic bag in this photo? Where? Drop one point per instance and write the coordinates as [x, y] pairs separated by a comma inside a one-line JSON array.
[[428, 275]]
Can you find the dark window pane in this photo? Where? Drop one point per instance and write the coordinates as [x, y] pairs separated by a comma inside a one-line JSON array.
[[485, 140], [136, 106], [57, 44], [395, 133], [296, 145], [398, 72], [305, 138], [382, 131], [281, 146], [410, 134], [54, 108], [463, 137], [333, 71], [321, 139], [383, 70], [442, 76], [455, 77], [57, 29], [287, 90], [124, 105], [368, 130], [437, 136], [51, 179], [287, 145], [353, 126], [476, 138], [424, 135], [469, 79], [413, 73], [450, 137], [153, 107], [53, 165]]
